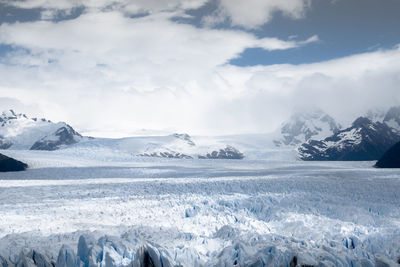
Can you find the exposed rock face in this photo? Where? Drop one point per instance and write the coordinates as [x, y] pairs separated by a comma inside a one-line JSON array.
[[8, 164], [166, 154], [391, 158], [364, 140], [63, 136], [303, 126], [227, 153]]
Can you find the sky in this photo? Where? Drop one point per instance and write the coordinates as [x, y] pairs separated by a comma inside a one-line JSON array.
[[207, 67]]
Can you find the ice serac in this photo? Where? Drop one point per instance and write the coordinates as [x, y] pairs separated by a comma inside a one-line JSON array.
[[391, 158], [305, 125], [33, 258], [67, 258], [63, 136], [8, 164], [364, 140]]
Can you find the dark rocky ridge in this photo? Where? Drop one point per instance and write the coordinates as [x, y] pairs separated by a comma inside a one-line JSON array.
[[8, 164], [227, 153], [166, 154], [63, 136], [364, 140], [391, 158]]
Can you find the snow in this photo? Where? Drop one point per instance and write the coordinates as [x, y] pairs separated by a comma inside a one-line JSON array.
[[22, 131], [305, 125], [392, 123], [199, 212]]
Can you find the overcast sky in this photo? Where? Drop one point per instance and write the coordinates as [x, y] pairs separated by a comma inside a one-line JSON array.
[[202, 67]]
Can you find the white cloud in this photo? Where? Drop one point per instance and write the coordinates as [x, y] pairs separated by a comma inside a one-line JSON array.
[[151, 71], [104, 71], [128, 6], [254, 13]]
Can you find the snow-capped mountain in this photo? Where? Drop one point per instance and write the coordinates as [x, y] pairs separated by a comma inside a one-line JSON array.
[[180, 146], [18, 131], [392, 119], [364, 140], [306, 125], [171, 146]]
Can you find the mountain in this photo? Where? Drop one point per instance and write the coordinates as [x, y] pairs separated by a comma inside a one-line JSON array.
[[229, 152], [18, 131], [8, 164], [392, 119], [376, 114], [181, 146], [363, 140], [303, 126], [65, 135], [391, 158]]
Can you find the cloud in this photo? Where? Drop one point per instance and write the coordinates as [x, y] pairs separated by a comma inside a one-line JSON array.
[[126, 6], [345, 88], [151, 71], [254, 13], [106, 71]]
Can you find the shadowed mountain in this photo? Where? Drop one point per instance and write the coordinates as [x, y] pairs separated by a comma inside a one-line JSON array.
[[364, 140]]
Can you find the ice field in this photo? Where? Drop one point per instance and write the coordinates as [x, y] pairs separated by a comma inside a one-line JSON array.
[[201, 212]]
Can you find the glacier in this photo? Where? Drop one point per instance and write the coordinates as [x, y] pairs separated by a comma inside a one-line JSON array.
[[88, 206]]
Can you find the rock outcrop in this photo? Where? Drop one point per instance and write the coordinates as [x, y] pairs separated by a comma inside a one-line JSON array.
[[391, 158], [229, 152], [8, 164]]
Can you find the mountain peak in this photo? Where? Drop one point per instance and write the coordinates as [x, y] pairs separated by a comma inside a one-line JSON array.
[[17, 131], [364, 140], [361, 122], [306, 124]]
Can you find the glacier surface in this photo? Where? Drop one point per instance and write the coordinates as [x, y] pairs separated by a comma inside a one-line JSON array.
[[84, 208]]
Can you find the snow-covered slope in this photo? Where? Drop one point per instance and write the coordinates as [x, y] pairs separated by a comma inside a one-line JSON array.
[[306, 125], [17, 131], [364, 140], [392, 119], [169, 146]]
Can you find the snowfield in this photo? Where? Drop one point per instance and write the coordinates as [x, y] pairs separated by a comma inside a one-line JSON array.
[[199, 212]]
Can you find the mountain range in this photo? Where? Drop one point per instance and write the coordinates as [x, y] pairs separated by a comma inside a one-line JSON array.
[[304, 125], [19, 132], [313, 135], [365, 139]]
